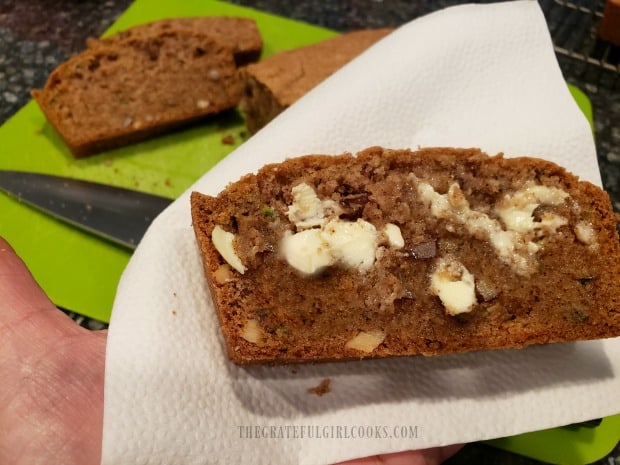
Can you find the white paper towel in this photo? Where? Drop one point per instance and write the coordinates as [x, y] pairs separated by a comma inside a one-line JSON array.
[[469, 76]]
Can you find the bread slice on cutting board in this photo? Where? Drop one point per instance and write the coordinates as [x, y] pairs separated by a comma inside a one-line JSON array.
[[148, 80]]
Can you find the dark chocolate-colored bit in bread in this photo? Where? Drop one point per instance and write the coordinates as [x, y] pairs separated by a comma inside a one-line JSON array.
[[394, 252]]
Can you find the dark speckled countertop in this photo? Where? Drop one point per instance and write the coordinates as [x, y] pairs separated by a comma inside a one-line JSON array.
[[37, 35]]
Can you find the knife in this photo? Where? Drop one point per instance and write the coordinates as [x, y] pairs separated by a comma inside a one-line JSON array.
[[117, 214]]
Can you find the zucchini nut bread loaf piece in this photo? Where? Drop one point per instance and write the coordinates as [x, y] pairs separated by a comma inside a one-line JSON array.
[[609, 26], [393, 252], [128, 88], [275, 83]]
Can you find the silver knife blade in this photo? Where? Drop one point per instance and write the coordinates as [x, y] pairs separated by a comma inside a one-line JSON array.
[[117, 214]]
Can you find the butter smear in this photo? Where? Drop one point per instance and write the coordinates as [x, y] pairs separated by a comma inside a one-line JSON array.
[[323, 239], [512, 238]]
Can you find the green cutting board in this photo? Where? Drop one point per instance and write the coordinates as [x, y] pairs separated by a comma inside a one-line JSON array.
[[568, 445], [78, 271]]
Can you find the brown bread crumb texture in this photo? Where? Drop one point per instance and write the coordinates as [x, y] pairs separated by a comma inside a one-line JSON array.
[[273, 313], [275, 83], [146, 81]]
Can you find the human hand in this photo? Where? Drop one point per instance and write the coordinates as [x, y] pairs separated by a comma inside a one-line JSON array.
[[52, 372]]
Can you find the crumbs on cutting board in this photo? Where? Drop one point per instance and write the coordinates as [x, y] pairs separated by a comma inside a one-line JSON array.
[[228, 139], [322, 389]]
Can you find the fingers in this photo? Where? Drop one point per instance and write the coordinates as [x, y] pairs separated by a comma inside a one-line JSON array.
[[432, 456]]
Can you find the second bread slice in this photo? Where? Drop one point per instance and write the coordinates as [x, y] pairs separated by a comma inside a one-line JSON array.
[[127, 91]]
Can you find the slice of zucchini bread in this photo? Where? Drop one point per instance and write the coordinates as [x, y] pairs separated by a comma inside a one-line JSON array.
[[395, 252], [130, 90]]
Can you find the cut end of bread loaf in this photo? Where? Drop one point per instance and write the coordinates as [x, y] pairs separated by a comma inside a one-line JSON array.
[[275, 83], [394, 253]]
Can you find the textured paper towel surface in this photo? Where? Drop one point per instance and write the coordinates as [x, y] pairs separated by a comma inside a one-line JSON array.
[[482, 76]]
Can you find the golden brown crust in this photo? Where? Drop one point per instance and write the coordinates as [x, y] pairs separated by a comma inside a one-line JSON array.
[[275, 83], [572, 294]]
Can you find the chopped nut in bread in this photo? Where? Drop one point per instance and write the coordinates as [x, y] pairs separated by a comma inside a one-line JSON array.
[[366, 341]]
